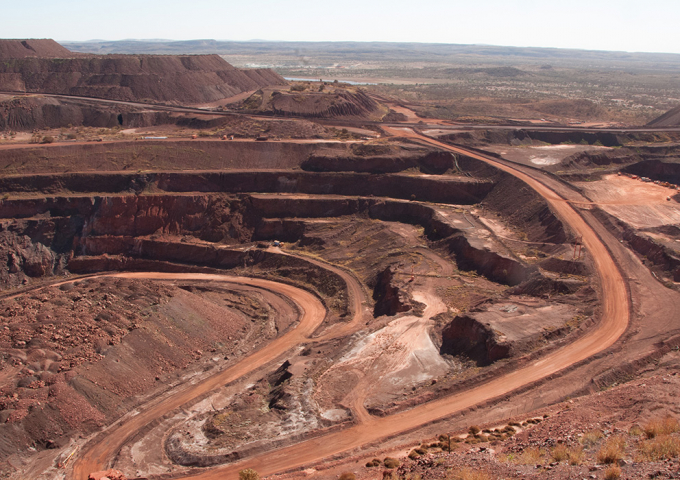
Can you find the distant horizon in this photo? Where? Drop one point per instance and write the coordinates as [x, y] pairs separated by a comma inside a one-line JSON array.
[[170, 40], [596, 25]]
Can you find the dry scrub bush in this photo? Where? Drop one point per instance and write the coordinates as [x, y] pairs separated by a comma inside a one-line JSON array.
[[391, 462], [347, 476], [529, 456], [591, 438], [612, 451], [474, 430], [248, 474], [662, 447], [635, 431], [661, 426], [560, 453], [612, 473], [468, 474], [576, 456]]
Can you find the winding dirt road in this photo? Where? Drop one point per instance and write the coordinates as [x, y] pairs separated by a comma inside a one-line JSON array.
[[614, 321], [98, 454]]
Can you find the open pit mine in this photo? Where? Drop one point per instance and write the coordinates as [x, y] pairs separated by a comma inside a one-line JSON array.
[[309, 305]]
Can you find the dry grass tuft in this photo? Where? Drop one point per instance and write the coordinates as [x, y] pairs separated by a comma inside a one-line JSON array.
[[591, 438], [560, 453], [662, 447], [612, 473], [576, 456], [529, 456], [661, 426], [613, 450]]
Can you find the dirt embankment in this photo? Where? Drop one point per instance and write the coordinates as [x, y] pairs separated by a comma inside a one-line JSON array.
[[529, 137], [654, 253], [323, 105], [429, 163], [191, 79], [153, 155], [664, 171], [669, 119], [455, 190], [159, 155], [31, 113], [520, 205], [638, 160]]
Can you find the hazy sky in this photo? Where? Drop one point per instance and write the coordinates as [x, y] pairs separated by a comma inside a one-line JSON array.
[[629, 25]]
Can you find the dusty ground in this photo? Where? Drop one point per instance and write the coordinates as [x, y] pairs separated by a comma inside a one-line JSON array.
[[639, 204], [563, 441]]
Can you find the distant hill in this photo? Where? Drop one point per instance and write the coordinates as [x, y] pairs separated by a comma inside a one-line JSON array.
[[364, 51], [188, 79], [669, 119]]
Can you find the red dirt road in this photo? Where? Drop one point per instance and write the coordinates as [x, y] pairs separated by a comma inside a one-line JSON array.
[[614, 321], [96, 456]]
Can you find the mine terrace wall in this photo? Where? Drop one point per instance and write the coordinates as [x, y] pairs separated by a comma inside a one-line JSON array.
[[555, 137], [455, 190], [114, 225]]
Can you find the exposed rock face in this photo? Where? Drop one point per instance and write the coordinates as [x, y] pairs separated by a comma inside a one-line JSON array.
[[389, 298], [467, 336], [24, 257]]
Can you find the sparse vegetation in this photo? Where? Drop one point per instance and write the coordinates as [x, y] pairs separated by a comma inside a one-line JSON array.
[[591, 438], [347, 476], [661, 447], [390, 462], [613, 450], [528, 456], [661, 426], [612, 472], [474, 430], [560, 453]]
